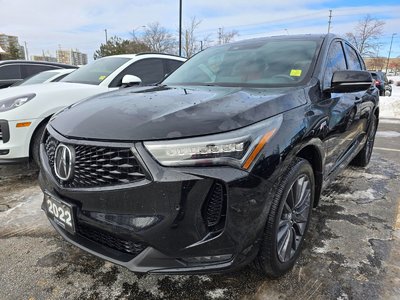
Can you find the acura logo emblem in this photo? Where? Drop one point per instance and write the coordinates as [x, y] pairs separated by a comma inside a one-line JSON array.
[[64, 158]]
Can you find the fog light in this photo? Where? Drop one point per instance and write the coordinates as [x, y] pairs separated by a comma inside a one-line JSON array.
[[208, 259], [130, 222], [4, 152]]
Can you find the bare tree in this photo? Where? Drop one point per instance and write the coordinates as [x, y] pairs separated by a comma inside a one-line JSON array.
[[190, 43], [226, 36], [366, 34], [158, 38]]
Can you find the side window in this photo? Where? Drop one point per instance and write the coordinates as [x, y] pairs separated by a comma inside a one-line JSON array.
[[353, 62], [336, 62], [362, 63], [10, 72], [172, 65], [29, 70], [150, 70]]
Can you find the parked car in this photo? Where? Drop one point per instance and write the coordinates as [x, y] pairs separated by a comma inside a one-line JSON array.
[[219, 165], [382, 83], [12, 71], [25, 110], [45, 77]]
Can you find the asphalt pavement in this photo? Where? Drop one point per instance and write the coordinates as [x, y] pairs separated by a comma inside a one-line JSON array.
[[352, 250]]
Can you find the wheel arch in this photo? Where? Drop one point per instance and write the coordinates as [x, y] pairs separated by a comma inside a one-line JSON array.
[[44, 121], [313, 154]]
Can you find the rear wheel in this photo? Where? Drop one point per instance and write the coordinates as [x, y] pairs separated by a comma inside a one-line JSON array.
[[288, 219], [364, 156]]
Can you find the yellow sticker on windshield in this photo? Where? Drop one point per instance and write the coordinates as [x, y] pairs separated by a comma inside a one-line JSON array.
[[102, 77], [295, 73]]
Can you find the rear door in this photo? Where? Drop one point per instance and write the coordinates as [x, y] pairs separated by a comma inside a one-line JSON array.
[[342, 112], [364, 101]]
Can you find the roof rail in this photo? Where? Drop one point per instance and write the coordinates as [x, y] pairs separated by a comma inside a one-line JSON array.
[[144, 53]]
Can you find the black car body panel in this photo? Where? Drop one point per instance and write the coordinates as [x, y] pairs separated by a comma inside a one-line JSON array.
[[195, 219], [183, 112]]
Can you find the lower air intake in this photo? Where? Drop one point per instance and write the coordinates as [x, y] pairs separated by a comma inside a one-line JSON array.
[[130, 247], [215, 207]]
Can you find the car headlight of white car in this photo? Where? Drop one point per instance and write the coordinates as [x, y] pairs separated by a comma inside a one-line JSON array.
[[14, 102]]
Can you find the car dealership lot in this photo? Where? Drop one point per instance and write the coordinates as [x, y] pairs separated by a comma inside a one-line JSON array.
[[350, 251]]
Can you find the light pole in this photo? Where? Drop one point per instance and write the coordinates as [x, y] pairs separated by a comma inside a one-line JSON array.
[[180, 27], [134, 29], [390, 50], [105, 31]]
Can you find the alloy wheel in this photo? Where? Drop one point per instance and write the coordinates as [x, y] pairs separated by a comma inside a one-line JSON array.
[[294, 218]]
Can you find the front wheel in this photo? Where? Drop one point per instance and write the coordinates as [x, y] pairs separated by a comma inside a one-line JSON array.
[[288, 219]]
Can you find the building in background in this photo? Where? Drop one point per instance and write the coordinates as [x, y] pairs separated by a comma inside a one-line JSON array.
[[48, 58], [7, 41], [71, 57]]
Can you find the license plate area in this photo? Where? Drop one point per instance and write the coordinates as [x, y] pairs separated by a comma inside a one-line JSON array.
[[60, 212]]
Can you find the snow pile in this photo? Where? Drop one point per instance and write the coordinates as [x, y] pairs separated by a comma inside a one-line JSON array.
[[390, 106]]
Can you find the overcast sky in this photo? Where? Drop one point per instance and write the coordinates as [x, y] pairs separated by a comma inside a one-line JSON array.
[[47, 24]]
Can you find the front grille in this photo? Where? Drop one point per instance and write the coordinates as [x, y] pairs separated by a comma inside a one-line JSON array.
[[98, 166], [215, 207], [111, 241]]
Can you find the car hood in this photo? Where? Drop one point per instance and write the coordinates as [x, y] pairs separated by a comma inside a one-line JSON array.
[[172, 112]]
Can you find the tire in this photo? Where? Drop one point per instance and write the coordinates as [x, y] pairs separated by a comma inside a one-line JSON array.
[[35, 143], [364, 156], [283, 224]]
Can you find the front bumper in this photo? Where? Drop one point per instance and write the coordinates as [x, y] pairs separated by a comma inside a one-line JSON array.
[[168, 212], [15, 142]]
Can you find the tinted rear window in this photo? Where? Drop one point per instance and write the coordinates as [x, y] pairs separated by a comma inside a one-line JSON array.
[[29, 70], [10, 72]]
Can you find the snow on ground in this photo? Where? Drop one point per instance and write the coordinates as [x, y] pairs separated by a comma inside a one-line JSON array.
[[390, 106]]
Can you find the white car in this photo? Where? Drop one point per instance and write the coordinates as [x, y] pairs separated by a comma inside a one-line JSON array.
[[25, 110], [45, 77]]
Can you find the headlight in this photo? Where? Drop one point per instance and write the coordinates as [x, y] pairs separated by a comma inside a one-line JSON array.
[[236, 148], [13, 102]]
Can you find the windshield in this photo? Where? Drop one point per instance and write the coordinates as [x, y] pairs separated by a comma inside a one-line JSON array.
[[35, 79], [97, 71], [255, 63]]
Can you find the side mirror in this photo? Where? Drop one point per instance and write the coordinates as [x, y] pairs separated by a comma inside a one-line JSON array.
[[131, 80], [350, 81]]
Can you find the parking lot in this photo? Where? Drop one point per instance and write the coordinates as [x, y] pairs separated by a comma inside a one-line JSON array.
[[352, 250]]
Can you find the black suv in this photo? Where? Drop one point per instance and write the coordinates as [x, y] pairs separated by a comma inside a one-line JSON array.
[[382, 83], [217, 166], [12, 71]]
